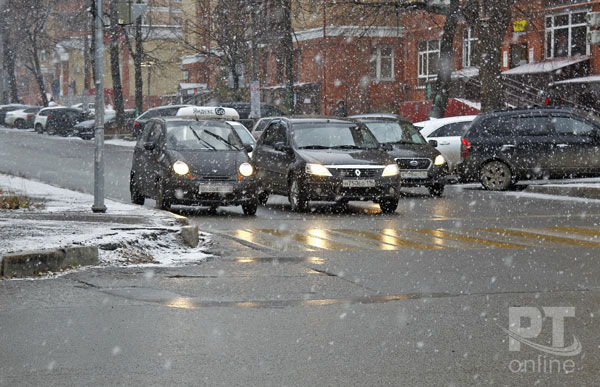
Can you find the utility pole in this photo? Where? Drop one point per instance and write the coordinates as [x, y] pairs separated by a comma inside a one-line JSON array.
[[99, 115], [3, 91]]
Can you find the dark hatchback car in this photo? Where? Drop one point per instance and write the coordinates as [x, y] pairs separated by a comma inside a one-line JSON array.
[[421, 165], [325, 159], [61, 121], [503, 147], [161, 111], [87, 129], [192, 162]]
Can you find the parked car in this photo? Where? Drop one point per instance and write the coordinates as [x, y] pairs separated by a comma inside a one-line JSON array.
[[39, 122], [23, 118], [448, 134], [87, 129], [260, 125], [503, 147], [421, 164], [325, 159], [244, 108], [161, 111], [4, 109], [62, 121], [194, 161]]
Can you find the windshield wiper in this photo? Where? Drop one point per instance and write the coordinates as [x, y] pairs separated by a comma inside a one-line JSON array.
[[222, 140], [347, 147], [202, 140], [314, 147]]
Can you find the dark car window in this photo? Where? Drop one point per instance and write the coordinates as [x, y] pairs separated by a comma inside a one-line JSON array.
[[571, 126], [273, 134], [397, 132], [32, 110], [201, 135], [451, 130], [148, 133], [333, 135], [514, 126], [262, 124]]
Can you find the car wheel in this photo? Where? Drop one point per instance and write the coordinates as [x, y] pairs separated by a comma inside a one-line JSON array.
[[263, 197], [297, 197], [162, 202], [388, 206], [20, 124], [436, 190], [39, 128], [136, 196], [496, 176], [250, 208]]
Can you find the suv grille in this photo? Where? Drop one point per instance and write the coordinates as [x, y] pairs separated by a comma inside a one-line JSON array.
[[364, 172], [215, 178], [413, 163]]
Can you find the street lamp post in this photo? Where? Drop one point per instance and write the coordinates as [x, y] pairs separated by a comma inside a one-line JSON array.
[[99, 114], [149, 65]]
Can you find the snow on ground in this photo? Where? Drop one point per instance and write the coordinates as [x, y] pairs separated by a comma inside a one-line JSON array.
[[127, 234], [533, 195]]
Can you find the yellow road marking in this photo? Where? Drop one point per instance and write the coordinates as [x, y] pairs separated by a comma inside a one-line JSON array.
[[577, 230], [444, 243], [479, 241], [388, 242], [542, 237], [310, 240], [256, 239]]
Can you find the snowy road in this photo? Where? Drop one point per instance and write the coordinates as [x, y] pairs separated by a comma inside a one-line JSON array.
[[420, 297]]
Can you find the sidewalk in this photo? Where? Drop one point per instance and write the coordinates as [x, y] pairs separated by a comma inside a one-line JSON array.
[[125, 235], [588, 188]]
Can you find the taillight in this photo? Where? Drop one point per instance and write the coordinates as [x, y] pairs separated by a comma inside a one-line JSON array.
[[465, 147], [136, 124], [29, 116]]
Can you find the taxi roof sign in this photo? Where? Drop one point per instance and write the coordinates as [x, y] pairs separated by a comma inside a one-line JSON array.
[[208, 112]]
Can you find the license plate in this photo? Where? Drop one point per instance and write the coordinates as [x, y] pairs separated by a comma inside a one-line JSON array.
[[215, 188], [413, 174], [358, 183]]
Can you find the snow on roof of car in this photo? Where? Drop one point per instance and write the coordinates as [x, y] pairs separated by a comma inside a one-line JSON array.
[[208, 112]]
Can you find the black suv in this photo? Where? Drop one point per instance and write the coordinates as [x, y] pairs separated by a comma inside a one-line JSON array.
[[421, 165], [325, 159], [61, 121], [503, 147]]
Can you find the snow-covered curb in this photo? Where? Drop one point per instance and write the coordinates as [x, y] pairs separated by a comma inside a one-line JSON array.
[[127, 234]]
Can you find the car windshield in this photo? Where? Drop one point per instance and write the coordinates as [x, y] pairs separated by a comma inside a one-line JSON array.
[[202, 135], [333, 135], [396, 132]]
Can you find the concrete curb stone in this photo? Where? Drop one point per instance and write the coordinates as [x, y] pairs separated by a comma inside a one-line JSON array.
[[32, 263], [587, 192]]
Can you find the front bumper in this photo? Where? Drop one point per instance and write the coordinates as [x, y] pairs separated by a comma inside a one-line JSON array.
[[435, 175], [333, 189], [185, 191]]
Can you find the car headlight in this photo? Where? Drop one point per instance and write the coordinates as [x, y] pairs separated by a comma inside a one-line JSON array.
[[439, 160], [390, 170], [316, 170], [181, 168], [246, 169]]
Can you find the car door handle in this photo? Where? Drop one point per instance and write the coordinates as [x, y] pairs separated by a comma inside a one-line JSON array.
[[562, 145], [443, 143], [507, 147]]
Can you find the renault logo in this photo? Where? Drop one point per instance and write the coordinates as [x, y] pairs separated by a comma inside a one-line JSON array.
[[357, 172], [413, 163]]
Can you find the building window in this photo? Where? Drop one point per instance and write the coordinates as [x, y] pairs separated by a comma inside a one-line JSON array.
[[185, 75], [470, 41], [382, 64], [429, 58], [566, 34]]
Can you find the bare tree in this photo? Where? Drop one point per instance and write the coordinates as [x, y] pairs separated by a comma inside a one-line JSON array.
[[115, 69]]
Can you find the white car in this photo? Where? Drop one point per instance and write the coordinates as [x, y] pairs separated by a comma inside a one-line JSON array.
[[21, 119], [244, 134], [41, 117], [448, 134]]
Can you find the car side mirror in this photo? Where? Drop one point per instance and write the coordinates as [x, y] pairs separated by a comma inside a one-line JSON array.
[[149, 146], [248, 148], [433, 143], [281, 147], [387, 147]]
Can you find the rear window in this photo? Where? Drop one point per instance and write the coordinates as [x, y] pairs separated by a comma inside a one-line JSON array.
[[511, 126], [451, 130]]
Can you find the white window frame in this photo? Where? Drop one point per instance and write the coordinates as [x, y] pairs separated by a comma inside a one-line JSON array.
[[552, 29], [423, 75], [376, 61], [469, 40]]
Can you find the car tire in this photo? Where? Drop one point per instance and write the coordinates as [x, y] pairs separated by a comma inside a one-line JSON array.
[[263, 198], [39, 128], [436, 190], [162, 203], [20, 124], [136, 196], [388, 206], [496, 176], [250, 208], [297, 197]]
